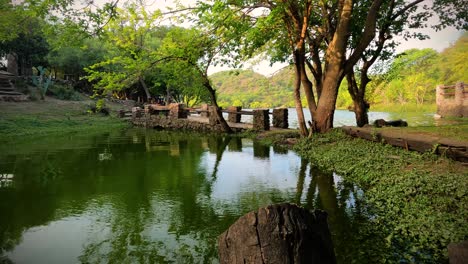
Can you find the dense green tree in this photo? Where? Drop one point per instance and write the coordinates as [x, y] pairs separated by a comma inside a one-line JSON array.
[[29, 48], [10, 19], [131, 54], [194, 49], [178, 83], [70, 61], [452, 64], [398, 20]]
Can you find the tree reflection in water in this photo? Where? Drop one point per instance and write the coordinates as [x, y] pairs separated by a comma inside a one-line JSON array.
[[355, 237], [162, 197]]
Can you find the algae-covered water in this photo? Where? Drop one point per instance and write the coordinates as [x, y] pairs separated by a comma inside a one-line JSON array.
[[136, 196]]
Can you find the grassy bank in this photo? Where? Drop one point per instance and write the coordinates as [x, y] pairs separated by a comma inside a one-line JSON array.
[[52, 116], [404, 108], [456, 131], [420, 200]]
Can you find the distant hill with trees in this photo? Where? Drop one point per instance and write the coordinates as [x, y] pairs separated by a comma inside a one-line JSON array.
[[410, 78], [249, 89]]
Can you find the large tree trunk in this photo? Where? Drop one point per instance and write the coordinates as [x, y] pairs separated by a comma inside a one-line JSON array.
[[333, 73], [283, 233], [322, 120], [360, 112]]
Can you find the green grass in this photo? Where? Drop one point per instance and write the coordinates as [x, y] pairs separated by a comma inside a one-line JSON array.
[[27, 125], [51, 117], [420, 200], [404, 108]]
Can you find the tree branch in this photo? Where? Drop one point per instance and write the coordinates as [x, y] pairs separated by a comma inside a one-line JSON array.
[[367, 36]]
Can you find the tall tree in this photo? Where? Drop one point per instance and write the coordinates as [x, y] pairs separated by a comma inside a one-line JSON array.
[[131, 57], [195, 49], [399, 18], [28, 48], [316, 35]]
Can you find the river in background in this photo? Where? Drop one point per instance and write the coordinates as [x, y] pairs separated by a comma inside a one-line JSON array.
[[137, 196], [347, 118]]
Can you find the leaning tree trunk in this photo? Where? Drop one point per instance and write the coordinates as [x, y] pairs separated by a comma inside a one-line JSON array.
[[219, 114], [145, 88], [282, 233], [297, 98]]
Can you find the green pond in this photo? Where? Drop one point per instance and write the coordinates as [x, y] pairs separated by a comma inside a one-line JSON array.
[[137, 196]]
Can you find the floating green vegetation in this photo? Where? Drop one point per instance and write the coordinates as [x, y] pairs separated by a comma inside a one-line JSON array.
[[420, 200]]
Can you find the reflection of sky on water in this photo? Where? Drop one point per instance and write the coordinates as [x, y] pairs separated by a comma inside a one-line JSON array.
[[49, 239], [6, 180], [347, 118], [243, 173]]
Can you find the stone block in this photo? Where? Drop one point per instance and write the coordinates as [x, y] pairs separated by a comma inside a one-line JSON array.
[[261, 120], [233, 115], [137, 112], [205, 110], [280, 118], [177, 111]]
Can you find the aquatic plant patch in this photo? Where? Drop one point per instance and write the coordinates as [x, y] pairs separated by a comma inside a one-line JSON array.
[[420, 200]]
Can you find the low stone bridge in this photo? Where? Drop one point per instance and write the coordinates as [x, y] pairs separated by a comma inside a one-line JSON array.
[[178, 117]]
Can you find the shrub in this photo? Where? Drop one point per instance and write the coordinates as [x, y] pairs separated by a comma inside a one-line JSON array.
[[64, 92]]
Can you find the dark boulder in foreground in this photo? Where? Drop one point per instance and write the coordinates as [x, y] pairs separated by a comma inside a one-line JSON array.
[[283, 233]]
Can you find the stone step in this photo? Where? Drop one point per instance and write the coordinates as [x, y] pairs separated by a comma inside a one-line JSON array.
[[10, 93], [14, 98], [7, 89]]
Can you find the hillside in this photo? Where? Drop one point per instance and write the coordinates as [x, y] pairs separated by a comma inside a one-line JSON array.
[[252, 90]]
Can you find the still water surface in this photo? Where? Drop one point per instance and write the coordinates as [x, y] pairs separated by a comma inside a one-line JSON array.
[[347, 118], [137, 196]]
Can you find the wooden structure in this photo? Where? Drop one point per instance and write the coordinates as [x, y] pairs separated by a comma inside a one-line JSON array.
[[452, 100], [283, 233]]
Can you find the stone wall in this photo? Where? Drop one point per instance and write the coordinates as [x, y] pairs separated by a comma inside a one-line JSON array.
[[452, 101]]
